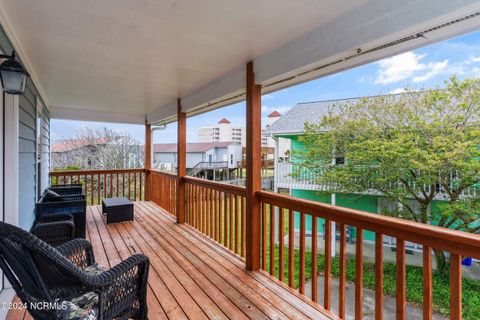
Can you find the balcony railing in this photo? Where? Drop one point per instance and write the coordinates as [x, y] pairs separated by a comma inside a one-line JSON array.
[[163, 190], [291, 232], [297, 176], [100, 184]]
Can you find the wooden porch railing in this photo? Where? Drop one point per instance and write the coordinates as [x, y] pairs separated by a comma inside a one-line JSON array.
[[293, 216], [217, 210], [289, 234], [100, 184], [163, 190]]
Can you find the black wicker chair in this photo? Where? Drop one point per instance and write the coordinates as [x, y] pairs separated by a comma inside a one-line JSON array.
[[67, 189], [55, 229], [76, 205], [41, 273]]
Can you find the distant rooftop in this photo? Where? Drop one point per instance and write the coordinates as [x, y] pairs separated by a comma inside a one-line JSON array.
[[293, 121], [224, 121], [72, 144], [191, 147], [274, 114]]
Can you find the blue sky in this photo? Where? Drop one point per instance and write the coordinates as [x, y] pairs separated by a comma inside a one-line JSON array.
[[426, 67]]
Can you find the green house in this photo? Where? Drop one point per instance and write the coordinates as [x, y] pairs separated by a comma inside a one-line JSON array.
[[292, 176]]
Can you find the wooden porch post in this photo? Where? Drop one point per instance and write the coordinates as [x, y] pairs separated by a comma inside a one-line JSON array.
[[181, 161], [148, 159], [253, 178]]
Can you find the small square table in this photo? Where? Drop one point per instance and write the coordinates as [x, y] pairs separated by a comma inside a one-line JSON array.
[[117, 209]]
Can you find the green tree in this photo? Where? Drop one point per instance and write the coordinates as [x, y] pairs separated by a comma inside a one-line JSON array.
[[413, 148]]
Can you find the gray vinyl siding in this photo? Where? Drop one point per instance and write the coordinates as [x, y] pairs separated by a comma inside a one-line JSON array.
[[27, 193], [27, 160]]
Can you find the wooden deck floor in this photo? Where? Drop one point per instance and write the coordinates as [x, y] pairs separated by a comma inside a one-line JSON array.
[[192, 277]]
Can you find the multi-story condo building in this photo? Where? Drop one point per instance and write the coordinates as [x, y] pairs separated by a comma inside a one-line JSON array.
[[222, 132]]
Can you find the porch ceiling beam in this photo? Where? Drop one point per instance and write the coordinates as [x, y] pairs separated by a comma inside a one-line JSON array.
[[94, 115], [335, 47]]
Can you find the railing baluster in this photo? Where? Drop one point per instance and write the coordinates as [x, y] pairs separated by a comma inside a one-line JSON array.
[[225, 219], [328, 264], [343, 271], [202, 210], [378, 276], [218, 213], [314, 260], [272, 239], [264, 236], [302, 253], [427, 283], [244, 211], [455, 287], [237, 216], [291, 248], [281, 226], [400, 294], [104, 185], [359, 274], [92, 189], [207, 211], [232, 218], [134, 187], [140, 186]]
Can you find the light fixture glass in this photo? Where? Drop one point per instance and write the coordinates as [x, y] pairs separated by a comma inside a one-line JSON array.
[[13, 75]]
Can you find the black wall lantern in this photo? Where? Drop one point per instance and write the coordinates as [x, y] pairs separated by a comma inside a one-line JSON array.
[[13, 75]]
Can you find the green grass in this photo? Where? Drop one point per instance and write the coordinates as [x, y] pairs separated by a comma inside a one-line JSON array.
[[414, 285]]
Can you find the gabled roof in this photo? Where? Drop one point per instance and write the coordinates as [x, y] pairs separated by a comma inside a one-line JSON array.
[[194, 147], [293, 121], [274, 114], [72, 144], [224, 121]]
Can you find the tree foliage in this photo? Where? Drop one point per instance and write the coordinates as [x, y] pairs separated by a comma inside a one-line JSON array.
[[413, 148]]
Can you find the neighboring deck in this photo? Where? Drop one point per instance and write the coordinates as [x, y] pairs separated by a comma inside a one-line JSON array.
[[192, 277]]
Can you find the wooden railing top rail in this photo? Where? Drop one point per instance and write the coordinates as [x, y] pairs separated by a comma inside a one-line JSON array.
[[96, 171], [233, 189], [169, 174], [454, 241]]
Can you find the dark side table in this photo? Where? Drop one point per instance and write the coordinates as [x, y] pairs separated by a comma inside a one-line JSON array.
[[117, 209]]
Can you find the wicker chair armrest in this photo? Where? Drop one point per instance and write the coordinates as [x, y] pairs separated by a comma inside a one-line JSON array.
[[79, 251], [129, 268], [54, 217], [124, 284]]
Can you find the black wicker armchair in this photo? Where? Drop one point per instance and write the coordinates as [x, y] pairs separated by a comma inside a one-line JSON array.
[[75, 205], [67, 189], [57, 278], [55, 229]]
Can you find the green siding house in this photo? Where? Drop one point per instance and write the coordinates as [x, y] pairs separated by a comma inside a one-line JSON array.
[[292, 176]]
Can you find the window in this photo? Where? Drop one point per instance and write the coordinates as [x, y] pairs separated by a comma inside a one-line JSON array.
[[339, 160], [231, 159]]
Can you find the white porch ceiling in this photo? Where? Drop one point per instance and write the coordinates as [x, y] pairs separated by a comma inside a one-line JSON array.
[[125, 60]]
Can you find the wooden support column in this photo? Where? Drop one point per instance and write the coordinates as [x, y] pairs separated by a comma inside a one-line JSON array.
[[148, 160], [253, 183], [181, 161]]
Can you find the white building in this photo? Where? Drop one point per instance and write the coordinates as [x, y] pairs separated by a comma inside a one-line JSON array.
[[222, 132]]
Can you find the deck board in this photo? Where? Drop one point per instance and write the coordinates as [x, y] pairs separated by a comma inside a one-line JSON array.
[[191, 276]]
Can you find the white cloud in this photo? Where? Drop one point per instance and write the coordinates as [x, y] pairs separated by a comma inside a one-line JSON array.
[[399, 67], [435, 68], [473, 59], [398, 90], [270, 109]]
